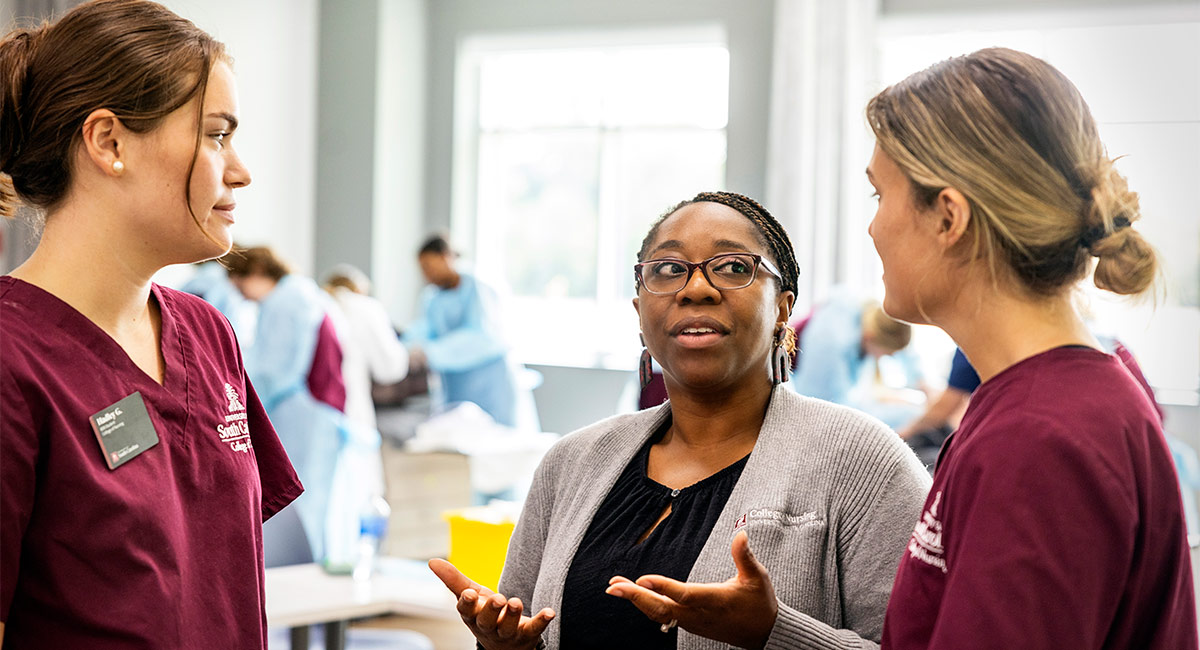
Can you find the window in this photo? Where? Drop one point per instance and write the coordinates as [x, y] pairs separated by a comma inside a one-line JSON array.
[[567, 149], [1140, 73]]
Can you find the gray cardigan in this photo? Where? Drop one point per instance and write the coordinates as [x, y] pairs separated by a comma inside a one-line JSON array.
[[829, 495]]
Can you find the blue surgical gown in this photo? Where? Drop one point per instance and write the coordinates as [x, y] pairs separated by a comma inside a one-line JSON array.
[[313, 433], [832, 360], [460, 332]]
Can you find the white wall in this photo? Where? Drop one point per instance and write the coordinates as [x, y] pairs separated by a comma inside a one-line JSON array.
[[274, 46], [398, 221]]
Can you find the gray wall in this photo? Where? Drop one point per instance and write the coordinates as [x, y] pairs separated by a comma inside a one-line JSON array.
[[345, 173], [749, 25], [370, 143]]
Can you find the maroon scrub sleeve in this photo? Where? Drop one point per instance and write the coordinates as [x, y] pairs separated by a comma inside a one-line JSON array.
[[19, 450]]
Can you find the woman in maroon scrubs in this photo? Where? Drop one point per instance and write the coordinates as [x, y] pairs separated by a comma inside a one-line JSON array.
[[136, 462], [1055, 518]]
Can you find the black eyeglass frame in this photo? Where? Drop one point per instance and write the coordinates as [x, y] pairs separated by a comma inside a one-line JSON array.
[[759, 262]]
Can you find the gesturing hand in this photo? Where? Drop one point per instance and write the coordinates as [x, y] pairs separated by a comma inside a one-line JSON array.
[[740, 611], [495, 621]]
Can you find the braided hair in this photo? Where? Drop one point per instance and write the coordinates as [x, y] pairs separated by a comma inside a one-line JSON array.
[[770, 231]]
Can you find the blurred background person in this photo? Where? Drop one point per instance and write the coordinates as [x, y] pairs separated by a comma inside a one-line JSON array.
[[370, 351], [845, 336], [210, 281], [295, 361], [926, 433], [459, 336]]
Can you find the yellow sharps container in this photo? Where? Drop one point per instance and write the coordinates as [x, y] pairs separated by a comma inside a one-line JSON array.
[[479, 542]]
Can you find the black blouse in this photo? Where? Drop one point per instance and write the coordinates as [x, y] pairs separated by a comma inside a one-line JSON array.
[[593, 619]]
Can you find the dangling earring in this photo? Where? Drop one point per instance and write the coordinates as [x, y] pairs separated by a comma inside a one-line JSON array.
[[781, 353], [645, 366], [118, 167]]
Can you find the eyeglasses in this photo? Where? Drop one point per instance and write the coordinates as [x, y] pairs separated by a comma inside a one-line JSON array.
[[728, 271]]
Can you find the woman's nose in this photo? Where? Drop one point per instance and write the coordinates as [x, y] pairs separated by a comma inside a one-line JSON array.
[[698, 289]]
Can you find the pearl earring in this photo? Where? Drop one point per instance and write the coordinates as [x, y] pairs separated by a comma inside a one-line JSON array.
[[118, 167]]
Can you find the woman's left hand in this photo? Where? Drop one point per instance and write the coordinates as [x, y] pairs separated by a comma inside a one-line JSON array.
[[740, 611]]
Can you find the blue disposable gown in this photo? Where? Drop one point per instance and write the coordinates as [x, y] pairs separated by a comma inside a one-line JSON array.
[[312, 432], [461, 335], [211, 282], [832, 359]]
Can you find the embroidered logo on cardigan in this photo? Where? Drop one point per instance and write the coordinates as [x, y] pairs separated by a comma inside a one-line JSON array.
[[787, 519]]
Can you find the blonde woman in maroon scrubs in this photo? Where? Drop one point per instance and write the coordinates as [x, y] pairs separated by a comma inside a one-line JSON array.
[[1055, 519], [136, 462]]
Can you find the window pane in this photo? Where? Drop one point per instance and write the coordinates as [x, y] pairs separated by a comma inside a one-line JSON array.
[[655, 170], [541, 89], [682, 85], [538, 210], [676, 86]]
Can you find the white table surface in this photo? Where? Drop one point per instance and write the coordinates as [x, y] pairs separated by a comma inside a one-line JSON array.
[[304, 594]]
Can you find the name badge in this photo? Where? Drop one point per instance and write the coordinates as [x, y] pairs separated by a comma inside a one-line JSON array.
[[124, 430]]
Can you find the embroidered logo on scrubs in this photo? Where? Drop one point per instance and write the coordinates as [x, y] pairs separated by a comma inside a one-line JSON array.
[[235, 404], [739, 524], [926, 541], [235, 432]]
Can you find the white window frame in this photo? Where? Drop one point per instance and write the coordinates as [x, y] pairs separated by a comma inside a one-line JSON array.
[[609, 311]]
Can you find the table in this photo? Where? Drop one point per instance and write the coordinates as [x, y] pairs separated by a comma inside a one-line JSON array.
[[305, 594]]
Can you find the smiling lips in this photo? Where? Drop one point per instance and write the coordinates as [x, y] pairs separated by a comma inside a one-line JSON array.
[[226, 210]]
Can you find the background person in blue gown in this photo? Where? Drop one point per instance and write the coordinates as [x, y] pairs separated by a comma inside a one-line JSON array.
[[459, 336], [844, 336]]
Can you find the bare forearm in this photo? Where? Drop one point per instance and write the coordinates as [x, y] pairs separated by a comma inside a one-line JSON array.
[[941, 412]]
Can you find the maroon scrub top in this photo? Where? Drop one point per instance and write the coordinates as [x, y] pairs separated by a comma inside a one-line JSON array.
[[1054, 521], [165, 551]]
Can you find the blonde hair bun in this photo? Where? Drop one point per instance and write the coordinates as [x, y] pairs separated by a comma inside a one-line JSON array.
[[1126, 263], [1014, 136]]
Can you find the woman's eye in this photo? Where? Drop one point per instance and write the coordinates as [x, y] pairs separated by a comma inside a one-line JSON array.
[[875, 195], [220, 137], [668, 268], [734, 266]]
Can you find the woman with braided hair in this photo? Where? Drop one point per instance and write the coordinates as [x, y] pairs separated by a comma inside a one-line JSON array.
[[638, 530], [1055, 518]]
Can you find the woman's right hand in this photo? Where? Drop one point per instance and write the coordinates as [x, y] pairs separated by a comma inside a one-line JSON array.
[[497, 622]]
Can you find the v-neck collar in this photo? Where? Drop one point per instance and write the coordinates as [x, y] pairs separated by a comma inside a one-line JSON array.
[[76, 325]]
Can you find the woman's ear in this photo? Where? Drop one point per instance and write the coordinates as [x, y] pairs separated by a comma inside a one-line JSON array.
[[104, 141], [954, 215], [784, 304]]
